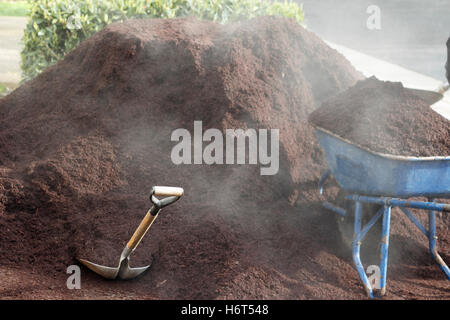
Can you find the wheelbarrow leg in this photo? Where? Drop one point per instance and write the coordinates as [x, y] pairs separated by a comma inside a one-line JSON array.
[[384, 248], [432, 239], [356, 249]]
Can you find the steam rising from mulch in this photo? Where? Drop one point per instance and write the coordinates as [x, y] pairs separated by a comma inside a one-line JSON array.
[[82, 144]]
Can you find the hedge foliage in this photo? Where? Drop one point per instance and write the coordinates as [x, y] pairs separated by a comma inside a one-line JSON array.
[[57, 26]]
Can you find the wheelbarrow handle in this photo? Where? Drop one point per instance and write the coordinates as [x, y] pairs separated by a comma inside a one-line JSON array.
[[447, 65]]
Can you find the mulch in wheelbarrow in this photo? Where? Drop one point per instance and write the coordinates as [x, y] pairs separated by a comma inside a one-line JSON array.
[[385, 117], [82, 144]]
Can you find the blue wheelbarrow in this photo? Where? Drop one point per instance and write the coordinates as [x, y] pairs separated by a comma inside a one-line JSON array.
[[384, 181]]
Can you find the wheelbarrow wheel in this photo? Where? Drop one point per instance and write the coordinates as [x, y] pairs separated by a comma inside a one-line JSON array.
[[346, 224]]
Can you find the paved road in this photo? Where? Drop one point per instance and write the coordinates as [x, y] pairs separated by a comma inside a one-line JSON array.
[[413, 32], [11, 32]]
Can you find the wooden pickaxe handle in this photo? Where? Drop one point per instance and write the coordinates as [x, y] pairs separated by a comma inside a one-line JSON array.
[[151, 215], [140, 232]]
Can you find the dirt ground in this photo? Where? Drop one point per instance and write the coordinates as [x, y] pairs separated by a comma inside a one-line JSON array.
[[322, 271]]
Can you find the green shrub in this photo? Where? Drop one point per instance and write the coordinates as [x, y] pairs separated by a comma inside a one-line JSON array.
[[57, 26], [3, 89]]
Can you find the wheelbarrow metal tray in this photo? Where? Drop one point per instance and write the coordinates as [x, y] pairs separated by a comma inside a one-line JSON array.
[[362, 171]]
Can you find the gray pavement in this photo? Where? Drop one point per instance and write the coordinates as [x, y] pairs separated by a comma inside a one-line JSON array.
[[413, 32], [11, 33]]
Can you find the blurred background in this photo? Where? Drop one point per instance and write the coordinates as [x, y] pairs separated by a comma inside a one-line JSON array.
[[12, 24], [411, 33]]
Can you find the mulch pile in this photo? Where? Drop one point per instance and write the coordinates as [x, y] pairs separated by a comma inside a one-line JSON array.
[[82, 144], [385, 117]]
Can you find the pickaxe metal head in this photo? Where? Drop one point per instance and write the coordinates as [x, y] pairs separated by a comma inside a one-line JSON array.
[[123, 271]]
